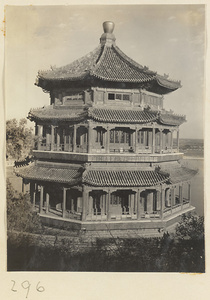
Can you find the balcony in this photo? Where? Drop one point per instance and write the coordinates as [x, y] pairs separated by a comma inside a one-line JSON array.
[[81, 155]]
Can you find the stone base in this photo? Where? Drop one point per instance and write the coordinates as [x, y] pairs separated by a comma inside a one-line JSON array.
[[141, 225]]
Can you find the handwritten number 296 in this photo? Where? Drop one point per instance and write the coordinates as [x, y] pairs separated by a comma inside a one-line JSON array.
[[26, 285]]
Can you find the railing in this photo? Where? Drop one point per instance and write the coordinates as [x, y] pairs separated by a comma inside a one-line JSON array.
[[165, 150], [121, 150], [82, 148], [151, 215], [73, 215]]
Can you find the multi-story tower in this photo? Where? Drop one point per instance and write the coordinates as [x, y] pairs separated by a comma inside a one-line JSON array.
[[107, 152]]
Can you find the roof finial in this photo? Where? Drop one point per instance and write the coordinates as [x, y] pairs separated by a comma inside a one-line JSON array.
[[108, 37], [108, 27]]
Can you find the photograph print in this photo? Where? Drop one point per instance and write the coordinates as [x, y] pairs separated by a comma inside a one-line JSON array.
[[104, 138]]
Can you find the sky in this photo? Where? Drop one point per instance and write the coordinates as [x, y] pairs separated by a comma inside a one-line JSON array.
[[168, 39]]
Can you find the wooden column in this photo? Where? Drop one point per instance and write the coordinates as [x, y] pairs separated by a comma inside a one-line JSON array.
[[89, 138], [39, 130], [34, 194], [41, 199], [107, 139], [58, 138], [32, 190], [161, 140], [153, 140], [167, 193], [135, 202], [131, 204], [47, 202], [172, 197], [138, 205], [90, 204], [47, 138], [172, 140], [158, 206], [189, 192], [39, 136], [23, 186], [162, 203], [150, 202], [52, 137], [74, 138], [177, 140], [84, 203], [64, 203], [181, 196], [108, 205], [136, 140]]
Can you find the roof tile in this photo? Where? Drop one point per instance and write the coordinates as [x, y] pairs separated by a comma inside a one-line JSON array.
[[71, 175]]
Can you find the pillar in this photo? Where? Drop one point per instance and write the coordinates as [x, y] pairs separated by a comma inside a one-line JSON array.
[[102, 206], [172, 140], [64, 202], [39, 127], [150, 202], [74, 138], [158, 200], [90, 204], [47, 138], [41, 199], [58, 139], [131, 204], [138, 205], [34, 195], [84, 203], [153, 140], [189, 192], [161, 140], [32, 190], [162, 202], [181, 196], [89, 138], [107, 139], [39, 130], [136, 140], [167, 194], [108, 205], [172, 196], [47, 202], [52, 137], [177, 140], [135, 202], [23, 186]]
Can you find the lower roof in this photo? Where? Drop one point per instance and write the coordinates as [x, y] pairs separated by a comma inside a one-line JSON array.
[[73, 175]]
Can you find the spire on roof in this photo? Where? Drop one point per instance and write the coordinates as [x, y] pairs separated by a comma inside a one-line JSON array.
[[108, 37]]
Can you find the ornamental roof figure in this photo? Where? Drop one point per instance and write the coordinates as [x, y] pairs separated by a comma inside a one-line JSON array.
[[108, 64]]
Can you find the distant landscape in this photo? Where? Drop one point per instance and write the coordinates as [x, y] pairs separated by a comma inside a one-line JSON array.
[[192, 147]]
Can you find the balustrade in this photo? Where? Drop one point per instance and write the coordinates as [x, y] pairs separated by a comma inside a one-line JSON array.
[[79, 140]]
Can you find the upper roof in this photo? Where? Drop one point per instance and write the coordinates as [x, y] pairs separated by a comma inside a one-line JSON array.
[[107, 63]]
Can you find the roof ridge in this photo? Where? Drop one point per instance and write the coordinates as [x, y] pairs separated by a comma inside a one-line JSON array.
[[100, 58]]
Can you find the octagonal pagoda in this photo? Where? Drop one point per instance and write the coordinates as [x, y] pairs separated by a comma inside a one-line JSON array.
[[107, 152]]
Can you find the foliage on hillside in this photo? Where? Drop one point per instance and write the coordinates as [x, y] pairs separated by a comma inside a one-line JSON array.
[[19, 139], [163, 254], [20, 215], [191, 226]]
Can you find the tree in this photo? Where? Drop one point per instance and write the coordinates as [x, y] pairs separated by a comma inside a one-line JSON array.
[[19, 139], [191, 226], [20, 215]]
